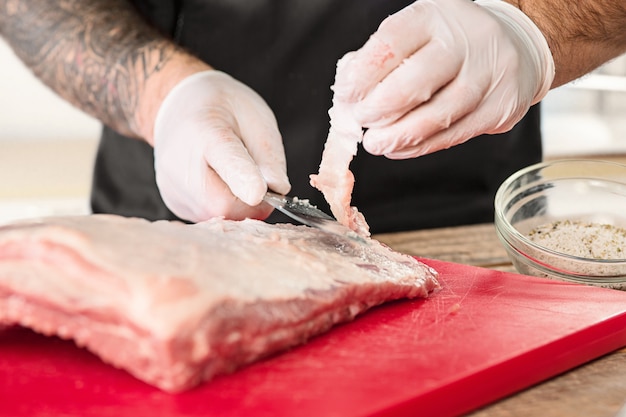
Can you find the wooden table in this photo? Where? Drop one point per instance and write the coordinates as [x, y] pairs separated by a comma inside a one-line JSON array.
[[596, 389]]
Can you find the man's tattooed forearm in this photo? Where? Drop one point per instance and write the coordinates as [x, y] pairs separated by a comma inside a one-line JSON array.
[[95, 54]]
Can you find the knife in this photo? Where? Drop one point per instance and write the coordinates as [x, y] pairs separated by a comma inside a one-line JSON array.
[[306, 213]]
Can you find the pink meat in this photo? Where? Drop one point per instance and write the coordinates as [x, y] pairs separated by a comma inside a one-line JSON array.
[[177, 304], [334, 178]]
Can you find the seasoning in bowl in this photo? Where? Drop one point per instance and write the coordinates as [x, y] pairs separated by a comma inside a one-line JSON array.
[[582, 239], [566, 220]]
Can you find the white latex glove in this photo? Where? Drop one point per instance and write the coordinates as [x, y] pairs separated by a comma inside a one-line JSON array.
[[440, 72], [217, 149]]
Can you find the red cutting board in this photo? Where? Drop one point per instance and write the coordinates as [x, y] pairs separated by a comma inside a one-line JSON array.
[[485, 335]]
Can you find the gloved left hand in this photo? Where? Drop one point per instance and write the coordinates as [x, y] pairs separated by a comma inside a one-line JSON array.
[[440, 72], [217, 149]]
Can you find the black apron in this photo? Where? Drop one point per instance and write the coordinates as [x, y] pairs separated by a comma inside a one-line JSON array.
[[287, 52]]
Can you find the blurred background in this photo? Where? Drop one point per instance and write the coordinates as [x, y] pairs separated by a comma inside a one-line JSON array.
[[47, 147]]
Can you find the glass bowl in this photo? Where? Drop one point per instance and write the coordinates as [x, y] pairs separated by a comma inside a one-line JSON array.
[[566, 220]]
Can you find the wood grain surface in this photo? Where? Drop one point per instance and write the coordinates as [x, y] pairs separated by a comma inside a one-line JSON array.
[[596, 389], [471, 245]]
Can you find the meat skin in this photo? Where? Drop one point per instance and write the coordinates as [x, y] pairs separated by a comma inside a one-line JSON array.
[[175, 304], [334, 178]]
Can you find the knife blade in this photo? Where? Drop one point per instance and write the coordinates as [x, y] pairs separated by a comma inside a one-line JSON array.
[[304, 212]]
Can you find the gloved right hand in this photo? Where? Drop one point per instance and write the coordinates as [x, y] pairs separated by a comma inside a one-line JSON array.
[[217, 149], [440, 72]]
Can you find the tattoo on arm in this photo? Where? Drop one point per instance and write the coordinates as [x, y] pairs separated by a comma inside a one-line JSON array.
[[96, 54]]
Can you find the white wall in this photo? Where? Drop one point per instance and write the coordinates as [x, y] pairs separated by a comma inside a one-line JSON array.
[[46, 147], [31, 111], [588, 116]]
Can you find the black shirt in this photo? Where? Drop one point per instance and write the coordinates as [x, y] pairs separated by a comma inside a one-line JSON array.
[[287, 51]]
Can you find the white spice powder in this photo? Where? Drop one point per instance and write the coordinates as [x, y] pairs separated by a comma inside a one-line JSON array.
[[582, 239]]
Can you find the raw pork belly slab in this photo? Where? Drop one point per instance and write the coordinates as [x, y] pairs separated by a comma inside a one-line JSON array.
[[177, 304]]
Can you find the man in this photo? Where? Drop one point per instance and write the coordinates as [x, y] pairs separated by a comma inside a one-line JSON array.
[[232, 73]]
